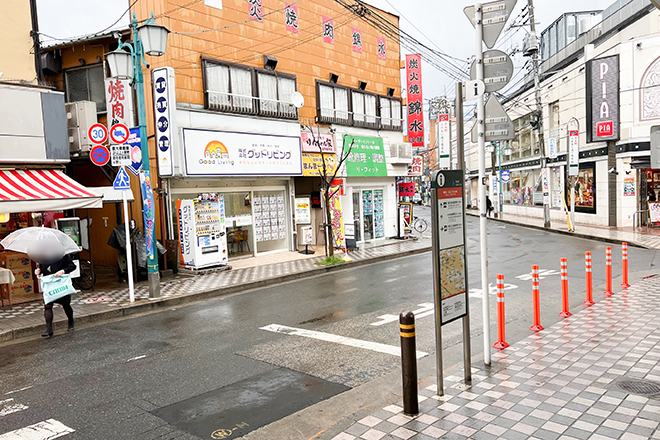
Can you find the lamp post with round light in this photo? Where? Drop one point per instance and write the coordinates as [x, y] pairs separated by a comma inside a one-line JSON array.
[[126, 62], [496, 147]]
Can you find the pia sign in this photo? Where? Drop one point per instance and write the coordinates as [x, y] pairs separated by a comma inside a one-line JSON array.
[[603, 113]]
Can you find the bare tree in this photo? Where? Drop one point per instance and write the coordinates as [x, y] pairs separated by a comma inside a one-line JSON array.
[[327, 176]]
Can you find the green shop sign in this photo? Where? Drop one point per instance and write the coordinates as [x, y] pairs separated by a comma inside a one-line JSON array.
[[366, 157]]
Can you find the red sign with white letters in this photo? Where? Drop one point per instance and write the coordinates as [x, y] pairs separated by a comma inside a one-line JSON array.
[[604, 129], [414, 99]]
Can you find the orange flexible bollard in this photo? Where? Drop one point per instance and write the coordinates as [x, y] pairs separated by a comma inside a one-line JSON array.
[[564, 289], [624, 258], [537, 300], [501, 343], [587, 277], [608, 272]]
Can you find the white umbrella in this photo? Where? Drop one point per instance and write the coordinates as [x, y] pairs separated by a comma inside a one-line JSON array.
[[43, 245]]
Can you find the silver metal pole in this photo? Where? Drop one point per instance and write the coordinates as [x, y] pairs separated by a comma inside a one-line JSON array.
[[573, 206], [467, 343], [435, 237], [483, 232], [129, 256]]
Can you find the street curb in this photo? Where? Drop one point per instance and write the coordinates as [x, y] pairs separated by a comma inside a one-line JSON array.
[[571, 234], [148, 306]]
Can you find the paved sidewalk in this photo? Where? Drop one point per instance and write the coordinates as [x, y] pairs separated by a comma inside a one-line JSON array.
[[648, 238], [27, 318], [579, 379]]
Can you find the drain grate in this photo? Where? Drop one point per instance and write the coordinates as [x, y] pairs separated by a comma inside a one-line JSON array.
[[641, 387]]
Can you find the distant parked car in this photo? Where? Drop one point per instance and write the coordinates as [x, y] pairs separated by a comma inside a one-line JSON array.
[[417, 199]]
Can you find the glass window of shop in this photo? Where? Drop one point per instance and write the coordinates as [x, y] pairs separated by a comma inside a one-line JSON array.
[[255, 221], [523, 188], [368, 214]]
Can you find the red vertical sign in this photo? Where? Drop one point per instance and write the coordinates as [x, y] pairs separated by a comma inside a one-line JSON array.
[[357, 39], [256, 10], [291, 17], [382, 50], [328, 30], [414, 99]]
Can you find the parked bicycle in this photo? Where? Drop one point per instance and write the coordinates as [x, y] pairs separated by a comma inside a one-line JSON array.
[[87, 277], [420, 225]]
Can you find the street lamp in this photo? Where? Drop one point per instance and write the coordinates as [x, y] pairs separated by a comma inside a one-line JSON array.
[[126, 62]]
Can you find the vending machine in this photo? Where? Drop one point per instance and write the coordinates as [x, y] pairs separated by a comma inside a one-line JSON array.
[[202, 231]]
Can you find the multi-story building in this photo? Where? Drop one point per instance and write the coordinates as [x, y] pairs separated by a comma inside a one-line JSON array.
[[237, 126], [598, 76]]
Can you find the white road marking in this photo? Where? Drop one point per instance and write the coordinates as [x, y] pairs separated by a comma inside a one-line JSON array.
[[9, 406], [386, 319], [329, 337], [19, 390], [543, 273], [46, 430], [492, 290], [137, 358]]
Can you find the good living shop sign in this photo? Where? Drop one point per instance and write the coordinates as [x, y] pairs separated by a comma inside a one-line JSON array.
[[222, 153]]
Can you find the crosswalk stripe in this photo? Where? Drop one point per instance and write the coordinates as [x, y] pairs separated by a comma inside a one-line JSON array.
[[46, 430], [329, 337], [9, 406]]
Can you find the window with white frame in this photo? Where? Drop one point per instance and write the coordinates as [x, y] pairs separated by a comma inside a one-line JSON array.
[[333, 104], [86, 84], [390, 113], [244, 89]]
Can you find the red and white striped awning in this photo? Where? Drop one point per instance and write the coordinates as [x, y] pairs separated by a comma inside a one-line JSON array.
[[43, 190]]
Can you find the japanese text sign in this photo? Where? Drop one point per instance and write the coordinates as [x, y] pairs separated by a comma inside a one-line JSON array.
[[148, 212], [444, 140], [414, 98], [317, 143], [291, 17], [221, 153], [382, 48], [164, 96], [356, 37], [328, 30], [407, 189], [313, 164], [602, 75], [119, 102], [365, 156], [417, 166], [256, 10]]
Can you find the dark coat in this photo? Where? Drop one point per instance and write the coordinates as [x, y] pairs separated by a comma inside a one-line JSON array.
[[66, 264]]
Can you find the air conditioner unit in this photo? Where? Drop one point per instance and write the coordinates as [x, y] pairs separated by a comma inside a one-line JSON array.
[[401, 153], [80, 116]]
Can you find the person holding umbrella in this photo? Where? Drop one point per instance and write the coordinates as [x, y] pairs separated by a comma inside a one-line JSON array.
[[50, 249]]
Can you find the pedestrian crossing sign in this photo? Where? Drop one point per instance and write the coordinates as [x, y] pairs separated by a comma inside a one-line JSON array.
[[122, 181]]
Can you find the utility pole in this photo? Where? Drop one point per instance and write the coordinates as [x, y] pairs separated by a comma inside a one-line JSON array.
[[34, 33], [534, 51]]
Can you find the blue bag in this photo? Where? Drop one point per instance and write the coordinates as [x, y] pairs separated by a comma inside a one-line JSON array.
[[55, 288]]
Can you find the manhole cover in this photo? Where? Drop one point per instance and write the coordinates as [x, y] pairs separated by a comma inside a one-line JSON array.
[[644, 388]]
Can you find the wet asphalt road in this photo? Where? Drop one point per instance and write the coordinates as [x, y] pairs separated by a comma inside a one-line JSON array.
[[114, 380]]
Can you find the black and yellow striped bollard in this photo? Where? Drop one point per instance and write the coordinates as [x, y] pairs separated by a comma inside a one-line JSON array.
[[409, 362]]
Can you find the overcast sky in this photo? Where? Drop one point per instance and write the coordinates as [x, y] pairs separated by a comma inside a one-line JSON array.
[[440, 24]]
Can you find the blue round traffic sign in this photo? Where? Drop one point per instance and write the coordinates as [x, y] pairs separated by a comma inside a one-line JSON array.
[[99, 155]]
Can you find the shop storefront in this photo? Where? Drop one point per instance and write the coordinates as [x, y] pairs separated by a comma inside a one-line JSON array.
[[251, 173], [370, 196], [38, 197]]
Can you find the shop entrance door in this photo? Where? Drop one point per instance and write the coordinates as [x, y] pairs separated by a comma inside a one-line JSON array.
[[357, 217], [368, 214]]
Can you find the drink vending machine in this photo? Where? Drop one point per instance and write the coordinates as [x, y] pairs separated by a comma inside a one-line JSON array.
[[202, 231]]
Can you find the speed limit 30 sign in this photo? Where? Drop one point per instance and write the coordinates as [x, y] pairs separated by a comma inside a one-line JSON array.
[[97, 133]]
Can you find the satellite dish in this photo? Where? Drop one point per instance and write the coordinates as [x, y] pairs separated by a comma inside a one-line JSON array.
[[297, 99]]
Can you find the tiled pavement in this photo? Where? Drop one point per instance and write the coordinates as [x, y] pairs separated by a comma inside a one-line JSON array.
[[556, 384], [29, 314]]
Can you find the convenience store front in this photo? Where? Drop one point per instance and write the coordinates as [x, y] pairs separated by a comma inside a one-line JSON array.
[[252, 173]]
